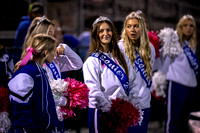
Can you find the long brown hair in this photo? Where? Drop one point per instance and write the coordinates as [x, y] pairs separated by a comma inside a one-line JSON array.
[[95, 45]]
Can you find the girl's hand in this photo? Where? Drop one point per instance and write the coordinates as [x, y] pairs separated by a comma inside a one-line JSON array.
[[60, 50]]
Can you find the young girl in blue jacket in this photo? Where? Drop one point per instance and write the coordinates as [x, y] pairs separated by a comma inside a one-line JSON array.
[[32, 103]]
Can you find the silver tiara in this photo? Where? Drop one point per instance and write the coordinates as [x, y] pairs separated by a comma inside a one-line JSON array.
[[134, 15], [99, 19], [188, 16], [139, 12], [42, 19]]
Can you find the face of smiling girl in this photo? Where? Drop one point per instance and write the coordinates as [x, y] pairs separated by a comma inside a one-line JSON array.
[[133, 29], [105, 34]]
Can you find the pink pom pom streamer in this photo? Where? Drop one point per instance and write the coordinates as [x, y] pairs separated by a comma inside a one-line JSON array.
[[77, 95], [68, 112]]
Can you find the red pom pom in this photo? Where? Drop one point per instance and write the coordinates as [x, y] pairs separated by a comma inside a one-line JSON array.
[[121, 116], [4, 99], [153, 38], [153, 93]]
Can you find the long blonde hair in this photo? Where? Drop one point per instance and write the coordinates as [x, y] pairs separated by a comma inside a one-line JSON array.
[[38, 25], [144, 44], [192, 38], [40, 43]]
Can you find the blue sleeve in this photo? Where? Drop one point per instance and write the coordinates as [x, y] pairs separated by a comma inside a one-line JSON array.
[[21, 33], [21, 88]]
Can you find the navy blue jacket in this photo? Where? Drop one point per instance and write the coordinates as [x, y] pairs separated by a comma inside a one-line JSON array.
[[32, 103]]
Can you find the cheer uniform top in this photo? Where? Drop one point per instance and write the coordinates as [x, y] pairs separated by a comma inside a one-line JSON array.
[[181, 72], [32, 103], [104, 85], [144, 92]]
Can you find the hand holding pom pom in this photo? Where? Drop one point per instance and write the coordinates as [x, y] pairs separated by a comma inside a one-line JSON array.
[[62, 101], [170, 42], [78, 93], [74, 91], [121, 116]]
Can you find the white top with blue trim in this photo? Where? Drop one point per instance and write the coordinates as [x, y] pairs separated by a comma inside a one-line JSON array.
[[104, 85], [145, 93], [181, 72]]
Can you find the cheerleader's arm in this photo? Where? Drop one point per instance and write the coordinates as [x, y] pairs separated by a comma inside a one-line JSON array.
[[69, 60], [21, 88], [92, 74]]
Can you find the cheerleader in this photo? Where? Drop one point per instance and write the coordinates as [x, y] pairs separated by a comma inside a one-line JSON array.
[[32, 103], [107, 72], [181, 74], [135, 43], [65, 60]]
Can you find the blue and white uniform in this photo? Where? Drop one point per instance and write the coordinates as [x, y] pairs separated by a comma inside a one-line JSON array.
[[182, 81], [144, 91], [104, 86], [180, 71], [33, 106]]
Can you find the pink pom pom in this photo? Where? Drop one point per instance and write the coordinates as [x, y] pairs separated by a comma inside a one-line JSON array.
[[77, 97], [67, 112]]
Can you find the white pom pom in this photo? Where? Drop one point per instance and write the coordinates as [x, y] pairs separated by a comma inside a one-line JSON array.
[[5, 122], [170, 42], [58, 86], [159, 84], [141, 116], [59, 113]]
